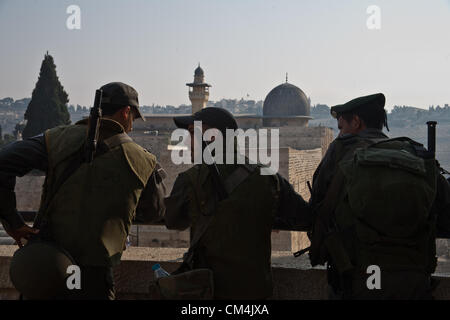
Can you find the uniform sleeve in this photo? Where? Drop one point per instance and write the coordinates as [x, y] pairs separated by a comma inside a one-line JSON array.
[[151, 206], [441, 207], [323, 176], [20, 157], [177, 205], [293, 211], [17, 159]]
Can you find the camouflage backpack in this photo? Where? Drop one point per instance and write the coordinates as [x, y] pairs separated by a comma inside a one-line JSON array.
[[377, 210]]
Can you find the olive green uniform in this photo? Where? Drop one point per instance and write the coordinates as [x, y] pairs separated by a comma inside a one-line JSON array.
[[90, 213], [237, 243], [419, 284], [325, 171]]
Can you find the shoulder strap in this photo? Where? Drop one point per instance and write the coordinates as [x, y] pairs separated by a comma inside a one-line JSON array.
[[419, 149], [403, 139], [117, 140], [237, 177]]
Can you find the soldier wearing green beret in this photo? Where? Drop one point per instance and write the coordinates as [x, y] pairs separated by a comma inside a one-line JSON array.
[[349, 234], [232, 229], [364, 117], [86, 208]]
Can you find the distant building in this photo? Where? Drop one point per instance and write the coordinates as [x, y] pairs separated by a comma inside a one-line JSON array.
[[198, 90], [286, 105]]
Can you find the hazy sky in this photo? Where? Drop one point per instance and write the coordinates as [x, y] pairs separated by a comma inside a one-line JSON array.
[[244, 46]]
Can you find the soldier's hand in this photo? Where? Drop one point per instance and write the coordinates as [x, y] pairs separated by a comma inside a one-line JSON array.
[[24, 232]]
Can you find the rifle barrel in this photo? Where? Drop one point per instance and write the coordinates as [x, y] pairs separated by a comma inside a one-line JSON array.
[[432, 137], [94, 125]]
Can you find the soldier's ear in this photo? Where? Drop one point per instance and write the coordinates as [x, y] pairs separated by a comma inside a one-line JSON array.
[[125, 112], [357, 122]]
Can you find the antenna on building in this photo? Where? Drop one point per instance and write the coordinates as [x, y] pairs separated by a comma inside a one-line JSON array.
[[286, 77]]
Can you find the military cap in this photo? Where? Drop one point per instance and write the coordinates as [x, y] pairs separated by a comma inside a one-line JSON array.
[[39, 270], [119, 94], [371, 101], [214, 117]]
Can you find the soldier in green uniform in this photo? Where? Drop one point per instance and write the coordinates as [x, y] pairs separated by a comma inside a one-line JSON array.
[[86, 209], [236, 243], [360, 122]]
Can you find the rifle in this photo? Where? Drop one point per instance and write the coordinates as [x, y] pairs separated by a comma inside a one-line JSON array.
[[432, 143], [432, 137], [94, 126]]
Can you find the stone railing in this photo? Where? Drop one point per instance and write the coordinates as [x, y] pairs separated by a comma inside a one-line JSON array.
[[294, 278]]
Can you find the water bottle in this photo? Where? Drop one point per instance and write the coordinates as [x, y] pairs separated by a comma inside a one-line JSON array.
[[159, 272]]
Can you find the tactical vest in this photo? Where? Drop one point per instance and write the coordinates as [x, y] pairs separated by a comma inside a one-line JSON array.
[[237, 243], [91, 213]]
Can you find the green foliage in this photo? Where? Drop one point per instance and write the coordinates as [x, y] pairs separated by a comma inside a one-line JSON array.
[[48, 105], [7, 138]]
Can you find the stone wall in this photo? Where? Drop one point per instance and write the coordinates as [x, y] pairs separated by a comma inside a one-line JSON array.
[[293, 278], [160, 237], [158, 145], [156, 122], [28, 192], [297, 122], [305, 138], [302, 164], [248, 121], [294, 132], [298, 167]]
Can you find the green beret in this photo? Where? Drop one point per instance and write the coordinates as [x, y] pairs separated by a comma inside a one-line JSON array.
[[372, 101]]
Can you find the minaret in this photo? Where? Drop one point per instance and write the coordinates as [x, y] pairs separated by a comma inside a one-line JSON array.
[[198, 90]]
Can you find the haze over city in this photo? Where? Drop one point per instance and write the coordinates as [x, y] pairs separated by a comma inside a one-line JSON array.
[[245, 48]]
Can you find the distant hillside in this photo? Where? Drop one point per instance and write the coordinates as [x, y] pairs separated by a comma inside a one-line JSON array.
[[11, 113]]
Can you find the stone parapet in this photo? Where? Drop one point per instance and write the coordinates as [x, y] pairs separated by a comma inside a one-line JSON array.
[[294, 278]]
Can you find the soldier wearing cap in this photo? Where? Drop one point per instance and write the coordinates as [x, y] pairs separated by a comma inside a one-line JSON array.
[[364, 117], [236, 242], [360, 122], [86, 209]]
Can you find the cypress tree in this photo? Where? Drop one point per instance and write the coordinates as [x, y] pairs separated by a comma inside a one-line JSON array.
[[48, 105]]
